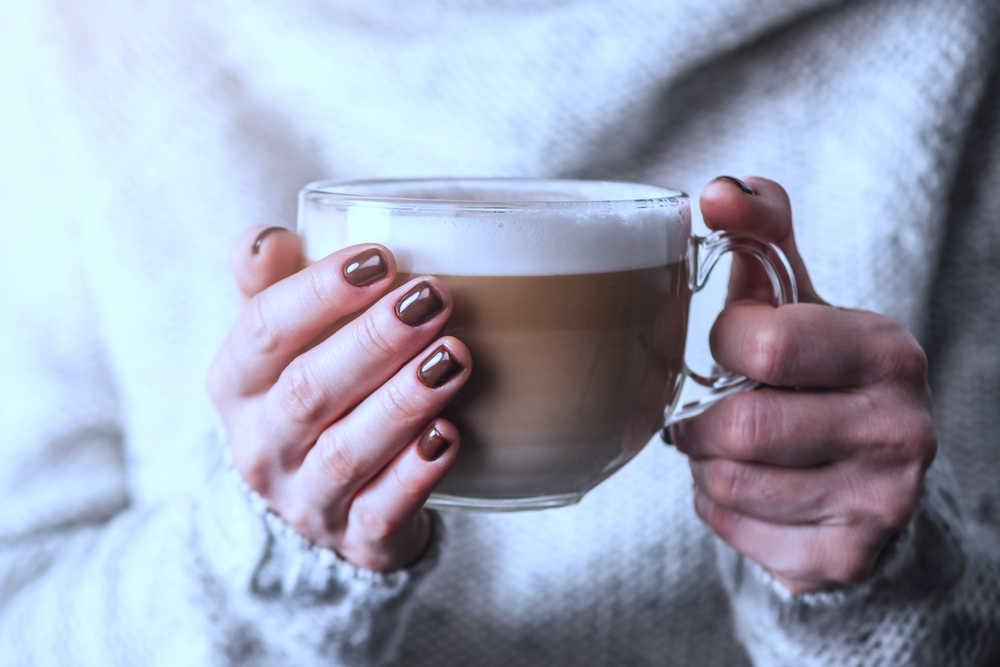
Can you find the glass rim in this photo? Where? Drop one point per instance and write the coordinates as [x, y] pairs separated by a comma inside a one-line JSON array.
[[339, 191]]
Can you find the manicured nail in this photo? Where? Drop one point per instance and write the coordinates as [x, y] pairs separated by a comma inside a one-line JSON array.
[[666, 436], [365, 268], [419, 305], [432, 444], [259, 241], [747, 190], [439, 367]]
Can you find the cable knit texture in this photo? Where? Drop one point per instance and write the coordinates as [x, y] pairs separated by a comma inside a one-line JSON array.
[[141, 138]]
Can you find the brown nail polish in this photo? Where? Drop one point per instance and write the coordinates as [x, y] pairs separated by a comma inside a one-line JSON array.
[[747, 190], [439, 367], [259, 241], [432, 444], [365, 268], [419, 305]]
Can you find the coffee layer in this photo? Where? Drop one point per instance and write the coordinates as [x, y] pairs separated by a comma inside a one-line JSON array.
[[570, 375]]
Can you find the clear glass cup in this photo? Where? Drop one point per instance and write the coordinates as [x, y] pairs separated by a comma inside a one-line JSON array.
[[573, 299]]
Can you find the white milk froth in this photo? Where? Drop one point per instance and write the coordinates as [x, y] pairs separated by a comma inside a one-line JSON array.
[[503, 227]]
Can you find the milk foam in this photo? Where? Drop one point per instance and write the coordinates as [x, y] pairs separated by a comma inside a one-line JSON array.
[[570, 227]]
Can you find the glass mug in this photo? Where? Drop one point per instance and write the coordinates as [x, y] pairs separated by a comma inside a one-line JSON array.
[[573, 299]]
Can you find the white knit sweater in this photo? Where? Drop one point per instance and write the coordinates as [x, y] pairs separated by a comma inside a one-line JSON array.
[[139, 139]]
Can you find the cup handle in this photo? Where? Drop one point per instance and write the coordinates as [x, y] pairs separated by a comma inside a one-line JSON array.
[[698, 391]]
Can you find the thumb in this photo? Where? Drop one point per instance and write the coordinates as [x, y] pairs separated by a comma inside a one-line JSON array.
[[263, 256], [757, 207]]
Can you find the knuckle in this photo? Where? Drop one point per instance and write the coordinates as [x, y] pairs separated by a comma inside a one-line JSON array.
[[903, 358], [300, 397], [400, 404], [915, 438], [910, 362], [806, 562], [323, 286], [723, 481], [409, 486], [374, 524], [371, 339], [746, 424], [772, 355], [264, 336], [337, 462]]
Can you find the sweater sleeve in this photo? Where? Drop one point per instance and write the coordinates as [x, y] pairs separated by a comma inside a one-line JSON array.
[[935, 596], [89, 575]]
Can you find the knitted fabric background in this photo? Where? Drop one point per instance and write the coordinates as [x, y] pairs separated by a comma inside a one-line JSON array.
[[143, 140]]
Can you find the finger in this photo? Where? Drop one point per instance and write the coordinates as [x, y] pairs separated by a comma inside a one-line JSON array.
[[322, 384], [804, 558], [263, 256], [835, 495], [779, 427], [773, 493], [386, 512], [806, 345], [282, 320], [758, 207], [353, 450]]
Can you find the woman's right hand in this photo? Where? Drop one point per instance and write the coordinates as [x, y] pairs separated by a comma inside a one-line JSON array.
[[339, 434]]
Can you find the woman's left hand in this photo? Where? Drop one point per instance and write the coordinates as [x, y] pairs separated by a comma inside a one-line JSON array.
[[811, 475]]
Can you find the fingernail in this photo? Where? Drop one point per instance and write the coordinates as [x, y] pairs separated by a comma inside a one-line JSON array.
[[259, 241], [365, 268], [419, 305], [747, 190], [439, 367], [432, 444], [666, 436]]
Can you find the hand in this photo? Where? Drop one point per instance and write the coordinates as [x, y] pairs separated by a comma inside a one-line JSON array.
[[812, 474], [339, 433]]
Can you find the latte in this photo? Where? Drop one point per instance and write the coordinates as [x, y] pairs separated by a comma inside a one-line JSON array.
[[574, 308]]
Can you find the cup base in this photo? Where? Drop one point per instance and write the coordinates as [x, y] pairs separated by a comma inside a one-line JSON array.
[[445, 501]]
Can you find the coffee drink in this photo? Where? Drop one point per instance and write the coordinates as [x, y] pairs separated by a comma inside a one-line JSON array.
[[552, 403], [575, 312]]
